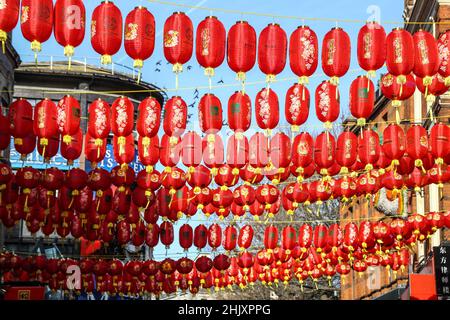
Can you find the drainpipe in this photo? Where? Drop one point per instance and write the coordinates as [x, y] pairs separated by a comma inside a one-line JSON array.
[[420, 201]]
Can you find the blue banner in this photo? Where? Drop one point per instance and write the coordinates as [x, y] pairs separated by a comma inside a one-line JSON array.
[[109, 162]]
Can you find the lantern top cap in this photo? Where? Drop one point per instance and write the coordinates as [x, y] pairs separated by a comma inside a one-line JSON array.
[[140, 7], [178, 12], [242, 21], [212, 17], [274, 24], [397, 28], [336, 28]]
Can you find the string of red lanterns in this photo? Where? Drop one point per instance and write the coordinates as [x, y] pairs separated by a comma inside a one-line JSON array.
[[403, 53]]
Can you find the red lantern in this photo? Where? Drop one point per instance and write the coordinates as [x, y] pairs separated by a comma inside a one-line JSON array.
[[230, 238], [166, 233], [362, 99], [400, 54], [237, 151], [148, 150], [191, 152], [397, 89], [36, 22], [213, 154], [239, 111], [368, 148], [20, 115], [303, 53], [444, 56], [302, 151], [320, 237], [210, 114], [439, 141], [267, 109], [371, 47], [199, 178], [245, 237], [426, 56], [175, 117], [70, 25], [106, 30], [394, 143], [152, 235], [170, 149], [124, 150], [186, 236], [9, 15], [68, 117], [417, 144], [434, 87], [214, 236], [244, 195], [200, 236], [336, 54], [280, 151], [122, 118], [241, 48], [210, 44], [72, 150], [272, 48], [139, 40], [297, 106], [346, 150], [267, 195], [324, 152], [289, 239], [99, 123], [149, 117], [45, 122], [270, 238], [93, 151], [327, 103], [258, 151], [178, 40]]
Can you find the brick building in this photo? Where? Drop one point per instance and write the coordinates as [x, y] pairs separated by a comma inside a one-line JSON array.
[[377, 282]]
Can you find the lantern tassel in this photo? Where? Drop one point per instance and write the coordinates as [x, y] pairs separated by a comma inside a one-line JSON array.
[[3, 38]]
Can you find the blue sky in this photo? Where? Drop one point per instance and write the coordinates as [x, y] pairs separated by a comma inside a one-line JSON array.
[[362, 10]]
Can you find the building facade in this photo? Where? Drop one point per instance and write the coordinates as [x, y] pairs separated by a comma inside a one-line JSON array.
[[377, 283], [53, 80]]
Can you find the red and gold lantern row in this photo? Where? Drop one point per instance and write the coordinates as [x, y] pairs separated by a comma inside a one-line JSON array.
[[210, 44], [241, 48], [178, 40], [336, 54], [371, 48], [303, 53], [362, 99], [70, 25], [9, 16], [272, 49], [36, 22], [139, 40], [106, 30]]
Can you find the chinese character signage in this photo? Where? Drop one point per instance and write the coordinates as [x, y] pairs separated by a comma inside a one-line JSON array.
[[35, 160], [442, 269], [109, 162]]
